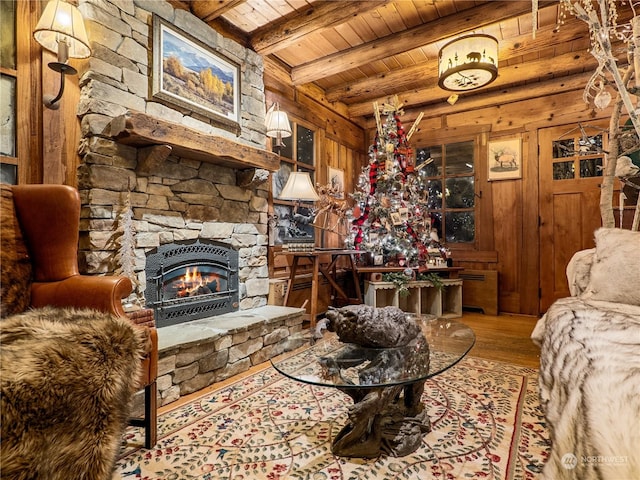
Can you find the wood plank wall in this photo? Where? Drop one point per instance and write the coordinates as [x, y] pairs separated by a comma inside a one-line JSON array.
[[507, 221], [47, 139]]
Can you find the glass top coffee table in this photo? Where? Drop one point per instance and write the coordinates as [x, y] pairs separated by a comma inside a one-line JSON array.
[[387, 415]]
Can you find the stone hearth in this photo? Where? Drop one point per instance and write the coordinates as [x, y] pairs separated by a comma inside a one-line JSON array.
[[199, 353]]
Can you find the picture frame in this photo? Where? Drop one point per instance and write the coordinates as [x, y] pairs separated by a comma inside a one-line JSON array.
[[288, 230], [504, 159], [335, 177], [194, 77]]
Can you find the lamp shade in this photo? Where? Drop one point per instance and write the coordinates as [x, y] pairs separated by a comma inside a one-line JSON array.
[[277, 122], [62, 22], [299, 187], [468, 63]]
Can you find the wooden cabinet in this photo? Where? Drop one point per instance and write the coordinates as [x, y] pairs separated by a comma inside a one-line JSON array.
[[422, 297]]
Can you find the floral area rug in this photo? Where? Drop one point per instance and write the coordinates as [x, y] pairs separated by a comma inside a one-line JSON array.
[[486, 424]]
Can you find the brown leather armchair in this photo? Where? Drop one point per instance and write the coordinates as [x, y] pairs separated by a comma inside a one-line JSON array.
[[48, 217]]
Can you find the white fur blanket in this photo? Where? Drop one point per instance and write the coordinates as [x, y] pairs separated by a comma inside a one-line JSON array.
[[590, 389]]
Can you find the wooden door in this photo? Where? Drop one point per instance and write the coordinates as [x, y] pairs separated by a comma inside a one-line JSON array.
[[570, 159]]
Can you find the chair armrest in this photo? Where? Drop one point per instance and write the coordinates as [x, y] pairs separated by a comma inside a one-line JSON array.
[[144, 319], [149, 370], [104, 293]]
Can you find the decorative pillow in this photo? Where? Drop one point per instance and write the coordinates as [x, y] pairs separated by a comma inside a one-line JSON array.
[[615, 273], [579, 271], [15, 274]]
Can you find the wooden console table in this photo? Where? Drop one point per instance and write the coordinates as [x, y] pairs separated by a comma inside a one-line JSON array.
[[445, 272], [328, 272]]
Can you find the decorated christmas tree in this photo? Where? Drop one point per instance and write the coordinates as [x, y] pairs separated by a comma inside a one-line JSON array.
[[390, 217]]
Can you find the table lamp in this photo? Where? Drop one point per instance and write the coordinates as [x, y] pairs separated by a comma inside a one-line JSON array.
[[299, 188]]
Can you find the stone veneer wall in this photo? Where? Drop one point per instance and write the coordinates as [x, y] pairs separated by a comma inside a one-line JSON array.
[[195, 355], [181, 199]]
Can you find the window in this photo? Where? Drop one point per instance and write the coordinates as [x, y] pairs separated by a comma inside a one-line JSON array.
[[8, 94], [450, 183], [578, 156], [298, 154]]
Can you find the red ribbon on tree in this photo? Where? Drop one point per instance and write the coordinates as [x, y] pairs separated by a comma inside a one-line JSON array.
[[422, 249]]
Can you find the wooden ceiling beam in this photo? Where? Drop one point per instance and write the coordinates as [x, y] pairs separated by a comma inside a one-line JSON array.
[[562, 65], [276, 75], [469, 102], [399, 42], [513, 47], [179, 4], [210, 10], [319, 16]]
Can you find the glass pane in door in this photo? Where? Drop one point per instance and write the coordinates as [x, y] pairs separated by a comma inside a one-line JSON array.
[[563, 170], [590, 145], [591, 167], [563, 148]]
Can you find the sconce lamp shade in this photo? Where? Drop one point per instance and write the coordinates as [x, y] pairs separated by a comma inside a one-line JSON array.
[[299, 187], [468, 63], [62, 22], [277, 123]]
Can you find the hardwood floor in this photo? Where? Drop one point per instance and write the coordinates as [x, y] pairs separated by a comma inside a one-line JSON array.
[[503, 338]]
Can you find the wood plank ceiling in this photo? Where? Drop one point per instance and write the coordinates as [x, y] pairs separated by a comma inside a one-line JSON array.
[[352, 53]]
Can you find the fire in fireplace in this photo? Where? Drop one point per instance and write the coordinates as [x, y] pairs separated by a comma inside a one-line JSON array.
[[191, 283], [190, 280]]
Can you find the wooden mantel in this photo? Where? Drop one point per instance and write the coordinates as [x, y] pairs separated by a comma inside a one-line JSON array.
[[141, 130]]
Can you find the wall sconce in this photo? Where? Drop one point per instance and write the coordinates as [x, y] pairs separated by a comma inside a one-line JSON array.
[[468, 63], [61, 31], [278, 125]]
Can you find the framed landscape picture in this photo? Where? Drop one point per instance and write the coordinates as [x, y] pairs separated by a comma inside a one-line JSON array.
[[192, 76], [504, 159]]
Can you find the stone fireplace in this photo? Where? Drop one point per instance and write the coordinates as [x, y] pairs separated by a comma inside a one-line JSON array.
[[161, 175], [156, 180], [191, 280]]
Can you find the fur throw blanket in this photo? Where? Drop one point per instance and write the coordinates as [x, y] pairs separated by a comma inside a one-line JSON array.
[[590, 389], [15, 274], [67, 379]]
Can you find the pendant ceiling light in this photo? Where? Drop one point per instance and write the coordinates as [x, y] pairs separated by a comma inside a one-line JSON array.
[[468, 63]]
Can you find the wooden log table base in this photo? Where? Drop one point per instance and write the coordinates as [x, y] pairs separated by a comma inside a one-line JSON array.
[[386, 384], [389, 420]]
